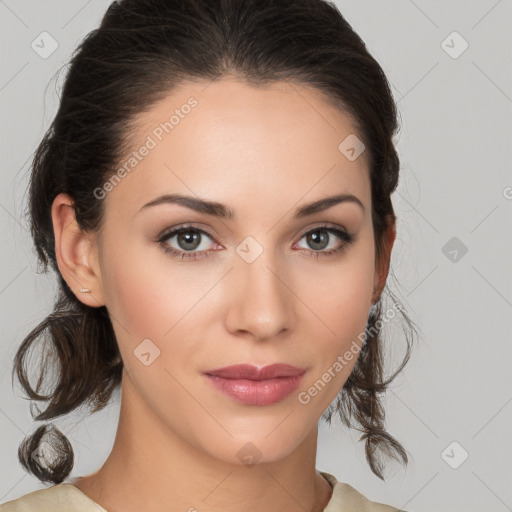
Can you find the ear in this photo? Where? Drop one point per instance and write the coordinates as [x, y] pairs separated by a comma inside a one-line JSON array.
[[76, 252], [382, 267]]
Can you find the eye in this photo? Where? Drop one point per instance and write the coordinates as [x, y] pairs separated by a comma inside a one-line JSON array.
[[192, 242], [187, 239], [321, 237]]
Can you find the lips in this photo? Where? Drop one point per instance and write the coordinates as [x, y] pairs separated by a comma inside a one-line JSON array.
[[251, 372], [252, 385]]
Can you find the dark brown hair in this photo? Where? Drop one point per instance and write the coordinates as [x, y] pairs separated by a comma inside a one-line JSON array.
[[140, 52]]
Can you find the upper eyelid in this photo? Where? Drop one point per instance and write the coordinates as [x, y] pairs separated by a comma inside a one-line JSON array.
[[166, 233]]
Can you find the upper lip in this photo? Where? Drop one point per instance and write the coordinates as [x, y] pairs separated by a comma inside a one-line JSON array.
[[249, 371]]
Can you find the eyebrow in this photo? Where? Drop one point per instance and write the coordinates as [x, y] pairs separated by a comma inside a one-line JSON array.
[[224, 212]]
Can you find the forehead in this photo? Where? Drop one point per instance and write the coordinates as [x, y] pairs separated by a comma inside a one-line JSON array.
[[234, 142]]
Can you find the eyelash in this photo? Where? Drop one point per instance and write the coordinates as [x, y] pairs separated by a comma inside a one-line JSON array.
[[190, 255]]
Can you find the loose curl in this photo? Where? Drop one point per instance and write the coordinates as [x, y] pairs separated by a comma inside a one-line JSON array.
[[141, 51]]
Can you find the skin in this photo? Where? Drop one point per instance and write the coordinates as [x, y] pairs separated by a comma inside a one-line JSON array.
[[263, 152]]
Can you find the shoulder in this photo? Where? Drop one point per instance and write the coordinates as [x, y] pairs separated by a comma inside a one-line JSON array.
[[62, 497], [346, 498]]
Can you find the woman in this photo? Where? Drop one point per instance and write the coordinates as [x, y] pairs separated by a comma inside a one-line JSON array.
[[214, 195]]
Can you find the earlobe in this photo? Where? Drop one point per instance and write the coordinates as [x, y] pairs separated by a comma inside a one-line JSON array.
[[75, 251]]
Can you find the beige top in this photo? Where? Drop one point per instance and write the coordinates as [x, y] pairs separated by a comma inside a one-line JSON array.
[[65, 497]]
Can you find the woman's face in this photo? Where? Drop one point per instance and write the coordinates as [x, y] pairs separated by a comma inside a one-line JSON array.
[[251, 288]]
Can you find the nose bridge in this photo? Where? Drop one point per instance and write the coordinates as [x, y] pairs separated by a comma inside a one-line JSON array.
[[262, 303]]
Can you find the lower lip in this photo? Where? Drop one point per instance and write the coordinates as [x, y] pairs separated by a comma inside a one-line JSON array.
[[256, 392]]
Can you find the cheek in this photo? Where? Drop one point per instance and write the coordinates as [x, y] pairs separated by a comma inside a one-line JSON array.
[[129, 289], [149, 295], [341, 304], [342, 295]]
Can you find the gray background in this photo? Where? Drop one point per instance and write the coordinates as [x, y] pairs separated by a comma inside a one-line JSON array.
[[455, 149]]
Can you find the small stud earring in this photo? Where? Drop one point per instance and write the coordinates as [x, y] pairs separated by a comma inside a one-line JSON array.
[[85, 290]]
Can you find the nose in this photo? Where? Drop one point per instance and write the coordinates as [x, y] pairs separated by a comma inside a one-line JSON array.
[[261, 300]]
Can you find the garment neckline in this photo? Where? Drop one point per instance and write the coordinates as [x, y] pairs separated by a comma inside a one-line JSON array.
[[331, 479], [82, 493]]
